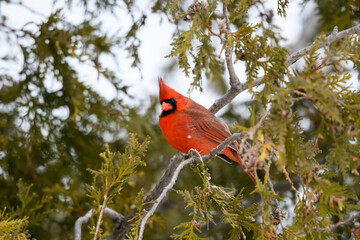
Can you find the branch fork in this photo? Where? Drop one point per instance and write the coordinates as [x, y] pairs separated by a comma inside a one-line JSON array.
[[178, 162]]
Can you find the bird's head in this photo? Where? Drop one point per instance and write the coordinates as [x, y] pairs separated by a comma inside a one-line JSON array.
[[170, 99]]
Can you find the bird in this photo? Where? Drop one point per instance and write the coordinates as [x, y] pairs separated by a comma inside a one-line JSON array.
[[187, 125]]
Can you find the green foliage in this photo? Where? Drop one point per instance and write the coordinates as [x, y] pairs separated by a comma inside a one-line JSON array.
[[32, 207], [206, 59], [211, 200], [11, 228], [323, 198], [239, 11], [340, 13], [180, 47], [14, 223], [282, 5], [115, 172], [53, 125]]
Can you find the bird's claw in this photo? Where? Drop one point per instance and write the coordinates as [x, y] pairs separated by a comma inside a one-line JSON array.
[[196, 158]]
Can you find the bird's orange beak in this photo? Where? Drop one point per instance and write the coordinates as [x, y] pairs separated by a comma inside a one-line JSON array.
[[166, 106]]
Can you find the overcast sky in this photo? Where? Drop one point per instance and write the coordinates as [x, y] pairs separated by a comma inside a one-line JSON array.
[[156, 37]]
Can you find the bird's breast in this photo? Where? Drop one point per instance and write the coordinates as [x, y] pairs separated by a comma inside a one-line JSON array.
[[179, 131]]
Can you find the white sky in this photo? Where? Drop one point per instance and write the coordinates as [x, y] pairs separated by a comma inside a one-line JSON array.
[[156, 37]]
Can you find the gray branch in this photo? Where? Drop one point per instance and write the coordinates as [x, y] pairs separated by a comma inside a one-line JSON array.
[[334, 36], [115, 216], [345, 222], [166, 182], [236, 87], [123, 226], [161, 197], [79, 222]]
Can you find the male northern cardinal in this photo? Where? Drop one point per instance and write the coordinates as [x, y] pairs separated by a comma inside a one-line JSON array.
[[188, 125]]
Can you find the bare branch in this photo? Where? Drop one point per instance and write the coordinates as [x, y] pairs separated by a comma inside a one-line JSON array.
[[115, 216], [335, 35], [79, 222], [235, 85], [235, 136], [112, 214], [291, 183], [170, 175], [162, 195], [222, 146], [102, 209], [237, 88], [234, 80], [123, 227], [353, 217]]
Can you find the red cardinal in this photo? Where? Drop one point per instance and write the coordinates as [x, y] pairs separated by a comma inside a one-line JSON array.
[[187, 125]]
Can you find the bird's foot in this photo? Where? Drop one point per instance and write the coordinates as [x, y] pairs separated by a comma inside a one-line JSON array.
[[196, 158]]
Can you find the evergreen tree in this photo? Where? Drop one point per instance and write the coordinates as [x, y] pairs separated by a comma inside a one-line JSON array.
[[69, 157]]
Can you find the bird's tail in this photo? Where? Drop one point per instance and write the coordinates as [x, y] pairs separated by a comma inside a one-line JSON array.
[[249, 173], [236, 157]]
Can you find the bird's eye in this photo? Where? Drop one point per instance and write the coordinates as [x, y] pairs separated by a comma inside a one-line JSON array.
[[172, 101]]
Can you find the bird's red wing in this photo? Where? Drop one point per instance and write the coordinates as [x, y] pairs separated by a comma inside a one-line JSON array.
[[213, 130]]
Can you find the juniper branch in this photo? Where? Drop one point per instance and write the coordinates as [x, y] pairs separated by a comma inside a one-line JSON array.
[[123, 227], [334, 36], [235, 85], [167, 181], [161, 196], [353, 217], [237, 88]]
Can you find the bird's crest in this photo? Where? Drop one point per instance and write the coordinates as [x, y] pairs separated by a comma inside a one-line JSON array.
[[166, 92]]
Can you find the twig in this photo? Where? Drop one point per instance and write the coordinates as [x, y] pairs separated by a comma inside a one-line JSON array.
[[222, 146], [291, 183], [124, 226], [166, 183], [236, 136], [80, 221], [161, 197], [345, 222], [28, 8], [335, 35], [115, 216], [291, 59], [103, 206], [235, 85], [234, 80]]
